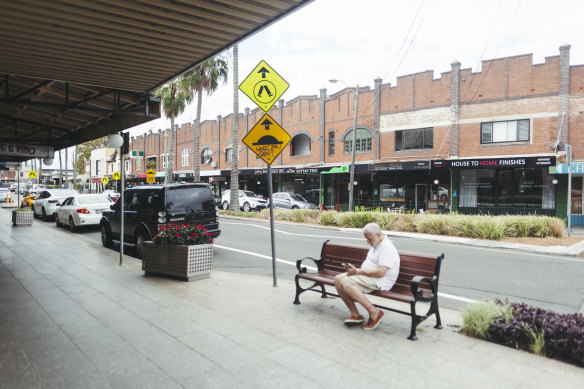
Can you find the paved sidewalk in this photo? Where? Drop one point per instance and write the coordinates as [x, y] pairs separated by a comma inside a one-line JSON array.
[[71, 317]]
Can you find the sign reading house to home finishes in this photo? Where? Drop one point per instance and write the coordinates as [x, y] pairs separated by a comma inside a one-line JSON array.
[[267, 139], [264, 86]]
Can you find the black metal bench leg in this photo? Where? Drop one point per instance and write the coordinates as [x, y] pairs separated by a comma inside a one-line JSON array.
[[437, 312], [298, 291], [415, 321], [323, 295]]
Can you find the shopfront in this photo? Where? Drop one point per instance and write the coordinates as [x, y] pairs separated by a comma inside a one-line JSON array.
[[498, 186]]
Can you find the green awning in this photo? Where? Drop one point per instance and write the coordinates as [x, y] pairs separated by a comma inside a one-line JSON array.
[[338, 169]]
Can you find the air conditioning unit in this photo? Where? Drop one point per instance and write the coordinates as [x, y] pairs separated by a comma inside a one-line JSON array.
[[213, 164]]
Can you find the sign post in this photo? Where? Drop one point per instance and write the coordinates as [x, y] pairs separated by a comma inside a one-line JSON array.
[[267, 138]]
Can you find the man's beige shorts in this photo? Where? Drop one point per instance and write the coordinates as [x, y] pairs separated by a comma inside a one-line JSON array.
[[363, 283]]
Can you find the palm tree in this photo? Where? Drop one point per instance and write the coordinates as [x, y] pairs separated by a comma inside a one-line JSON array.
[[204, 77], [174, 100], [234, 188]]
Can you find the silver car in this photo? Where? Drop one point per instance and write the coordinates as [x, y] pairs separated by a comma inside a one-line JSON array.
[[286, 200]]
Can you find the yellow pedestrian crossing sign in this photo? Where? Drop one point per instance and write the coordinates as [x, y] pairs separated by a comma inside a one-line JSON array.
[[32, 174], [267, 139], [104, 180], [116, 175], [264, 86]]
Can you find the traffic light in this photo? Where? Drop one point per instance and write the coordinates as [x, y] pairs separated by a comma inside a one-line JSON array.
[[126, 144]]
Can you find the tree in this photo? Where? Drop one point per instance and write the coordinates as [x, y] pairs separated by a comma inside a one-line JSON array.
[[234, 188], [174, 99], [84, 151], [204, 77]]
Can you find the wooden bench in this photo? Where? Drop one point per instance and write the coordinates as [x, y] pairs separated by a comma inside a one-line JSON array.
[[417, 279]]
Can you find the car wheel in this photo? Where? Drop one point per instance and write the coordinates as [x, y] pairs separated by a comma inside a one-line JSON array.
[[72, 227], [44, 215], [57, 221], [106, 237], [294, 207], [225, 205], [246, 207], [34, 213], [140, 239]]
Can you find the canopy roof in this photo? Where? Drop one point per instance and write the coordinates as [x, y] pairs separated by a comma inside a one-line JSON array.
[[75, 70]]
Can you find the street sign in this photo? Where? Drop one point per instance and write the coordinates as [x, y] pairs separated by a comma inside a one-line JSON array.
[[267, 139], [32, 174], [150, 173], [137, 153], [104, 180], [150, 180], [116, 176], [264, 86]]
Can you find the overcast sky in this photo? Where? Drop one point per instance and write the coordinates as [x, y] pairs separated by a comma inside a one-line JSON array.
[[358, 41]]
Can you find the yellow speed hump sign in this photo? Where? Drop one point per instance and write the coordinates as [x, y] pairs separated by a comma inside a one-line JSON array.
[[267, 139], [32, 174], [264, 86], [104, 180], [116, 175]]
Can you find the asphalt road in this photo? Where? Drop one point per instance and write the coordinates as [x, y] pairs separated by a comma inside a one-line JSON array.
[[468, 273]]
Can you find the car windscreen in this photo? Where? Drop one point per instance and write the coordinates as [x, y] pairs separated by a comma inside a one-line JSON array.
[[63, 193], [93, 199], [298, 197], [185, 199]]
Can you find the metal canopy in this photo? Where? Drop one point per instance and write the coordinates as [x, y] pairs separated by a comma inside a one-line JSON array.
[[75, 70]]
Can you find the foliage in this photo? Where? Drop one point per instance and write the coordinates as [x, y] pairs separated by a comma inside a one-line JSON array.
[[328, 218], [173, 97], [151, 164], [84, 152], [479, 316], [25, 209], [182, 234], [555, 335]]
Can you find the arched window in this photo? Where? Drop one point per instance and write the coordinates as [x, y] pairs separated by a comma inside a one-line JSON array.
[[206, 156], [185, 156], [362, 144], [300, 145]]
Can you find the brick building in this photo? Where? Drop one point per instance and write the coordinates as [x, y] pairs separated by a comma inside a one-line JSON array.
[[473, 142]]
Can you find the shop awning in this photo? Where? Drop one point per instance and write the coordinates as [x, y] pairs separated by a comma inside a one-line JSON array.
[[337, 169]]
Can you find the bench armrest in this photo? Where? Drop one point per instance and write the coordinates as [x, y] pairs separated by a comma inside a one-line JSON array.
[[302, 269], [418, 293]]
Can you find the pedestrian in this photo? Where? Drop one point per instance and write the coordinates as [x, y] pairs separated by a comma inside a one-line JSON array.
[[378, 271]]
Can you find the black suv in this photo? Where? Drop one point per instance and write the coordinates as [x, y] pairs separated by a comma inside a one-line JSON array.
[[147, 208]]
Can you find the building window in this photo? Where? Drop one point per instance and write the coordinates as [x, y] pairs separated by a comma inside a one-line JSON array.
[[422, 138], [127, 167], [206, 156], [509, 131], [228, 155], [331, 143], [362, 144], [97, 168], [137, 164], [185, 157], [163, 158], [300, 145]]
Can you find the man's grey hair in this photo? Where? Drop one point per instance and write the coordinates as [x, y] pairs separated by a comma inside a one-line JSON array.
[[372, 228]]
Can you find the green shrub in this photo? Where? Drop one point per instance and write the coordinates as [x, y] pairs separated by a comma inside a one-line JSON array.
[[480, 315], [329, 218]]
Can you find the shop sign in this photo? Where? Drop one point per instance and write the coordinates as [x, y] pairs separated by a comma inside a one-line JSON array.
[[392, 166], [22, 150], [497, 163], [287, 170], [576, 167]]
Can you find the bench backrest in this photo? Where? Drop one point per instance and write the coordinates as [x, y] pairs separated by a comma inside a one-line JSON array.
[[411, 263]]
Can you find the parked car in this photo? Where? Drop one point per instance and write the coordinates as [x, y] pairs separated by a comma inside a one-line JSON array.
[[112, 194], [286, 200], [147, 208], [46, 204], [4, 194], [82, 210], [248, 200]]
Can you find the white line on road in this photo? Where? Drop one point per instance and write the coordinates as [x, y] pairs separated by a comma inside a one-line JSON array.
[[291, 233], [443, 295]]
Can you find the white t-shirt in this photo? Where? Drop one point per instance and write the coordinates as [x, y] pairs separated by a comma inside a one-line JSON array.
[[384, 254]]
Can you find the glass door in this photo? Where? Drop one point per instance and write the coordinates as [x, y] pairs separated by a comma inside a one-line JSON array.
[[420, 197]]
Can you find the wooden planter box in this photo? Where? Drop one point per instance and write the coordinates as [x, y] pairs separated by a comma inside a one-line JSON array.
[[22, 218], [188, 262]]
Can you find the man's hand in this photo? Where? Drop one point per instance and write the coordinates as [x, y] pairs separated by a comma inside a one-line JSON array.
[[352, 270]]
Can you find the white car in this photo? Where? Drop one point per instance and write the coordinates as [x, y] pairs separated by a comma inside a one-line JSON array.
[[247, 200], [82, 210], [46, 204], [4, 193]]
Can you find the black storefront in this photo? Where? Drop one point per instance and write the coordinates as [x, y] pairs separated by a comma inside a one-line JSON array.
[[497, 186]]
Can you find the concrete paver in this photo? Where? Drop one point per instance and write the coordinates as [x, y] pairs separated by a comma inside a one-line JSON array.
[[70, 316]]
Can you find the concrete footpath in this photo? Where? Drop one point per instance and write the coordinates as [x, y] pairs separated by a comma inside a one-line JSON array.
[[71, 317]]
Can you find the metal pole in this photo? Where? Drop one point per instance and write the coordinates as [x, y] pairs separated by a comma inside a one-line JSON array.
[[165, 157], [569, 155], [121, 207], [18, 188], [272, 225], [353, 149]]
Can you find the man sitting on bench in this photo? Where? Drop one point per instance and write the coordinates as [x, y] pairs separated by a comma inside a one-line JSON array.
[[378, 271]]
